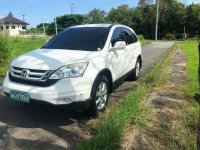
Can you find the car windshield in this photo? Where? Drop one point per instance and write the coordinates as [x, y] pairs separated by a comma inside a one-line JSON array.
[[83, 38]]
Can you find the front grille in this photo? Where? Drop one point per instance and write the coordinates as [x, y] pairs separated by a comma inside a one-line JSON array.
[[29, 74], [31, 77]]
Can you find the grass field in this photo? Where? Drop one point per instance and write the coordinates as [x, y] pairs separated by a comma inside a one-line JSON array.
[[190, 117], [191, 53], [16, 47]]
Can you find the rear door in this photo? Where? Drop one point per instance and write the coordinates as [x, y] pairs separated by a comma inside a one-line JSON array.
[[131, 48]]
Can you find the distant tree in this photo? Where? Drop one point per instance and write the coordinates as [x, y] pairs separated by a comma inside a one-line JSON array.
[[143, 3], [122, 14], [193, 19], [148, 21], [41, 25], [96, 16], [65, 21], [173, 16]]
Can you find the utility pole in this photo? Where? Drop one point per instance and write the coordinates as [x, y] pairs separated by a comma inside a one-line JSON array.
[[23, 15], [157, 17], [72, 8], [44, 27], [56, 25], [184, 34]]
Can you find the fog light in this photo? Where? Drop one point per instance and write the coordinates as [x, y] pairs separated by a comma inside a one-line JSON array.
[[67, 99]]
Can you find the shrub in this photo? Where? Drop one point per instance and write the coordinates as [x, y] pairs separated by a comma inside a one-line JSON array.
[[141, 37], [170, 37], [4, 49]]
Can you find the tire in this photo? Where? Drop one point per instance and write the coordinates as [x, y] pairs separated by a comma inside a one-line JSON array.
[[99, 95], [136, 72]]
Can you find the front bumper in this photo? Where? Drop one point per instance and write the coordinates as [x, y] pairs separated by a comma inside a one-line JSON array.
[[65, 91]]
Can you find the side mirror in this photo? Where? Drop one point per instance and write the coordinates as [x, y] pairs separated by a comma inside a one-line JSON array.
[[119, 45]]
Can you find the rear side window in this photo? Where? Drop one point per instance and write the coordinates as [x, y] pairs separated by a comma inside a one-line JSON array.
[[134, 38], [117, 36], [130, 37]]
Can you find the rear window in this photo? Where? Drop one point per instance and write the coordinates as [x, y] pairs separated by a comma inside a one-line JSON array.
[[83, 38]]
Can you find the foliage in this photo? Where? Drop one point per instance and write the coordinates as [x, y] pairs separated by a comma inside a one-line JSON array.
[[173, 17], [140, 37], [17, 46], [96, 16], [122, 14], [191, 52], [193, 19], [190, 117], [4, 49], [64, 22]]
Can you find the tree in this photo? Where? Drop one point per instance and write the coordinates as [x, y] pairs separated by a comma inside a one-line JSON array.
[[122, 14], [64, 22], [96, 16], [193, 19], [143, 3], [173, 16]]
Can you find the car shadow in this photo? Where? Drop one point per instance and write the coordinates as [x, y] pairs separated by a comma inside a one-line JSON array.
[[60, 122]]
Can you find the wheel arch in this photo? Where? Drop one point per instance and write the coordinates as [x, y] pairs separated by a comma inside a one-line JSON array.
[[140, 59], [106, 72]]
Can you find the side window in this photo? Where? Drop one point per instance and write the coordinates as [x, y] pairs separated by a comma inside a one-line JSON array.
[[117, 36], [128, 36], [134, 37]]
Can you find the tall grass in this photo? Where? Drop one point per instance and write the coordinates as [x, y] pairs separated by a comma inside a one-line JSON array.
[[191, 53], [4, 49], [190, 116], [11, 47]]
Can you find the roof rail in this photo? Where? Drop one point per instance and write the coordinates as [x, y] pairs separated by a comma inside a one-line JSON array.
[[112, 25]]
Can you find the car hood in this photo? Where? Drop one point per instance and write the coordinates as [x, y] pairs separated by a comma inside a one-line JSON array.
[[52, 59]]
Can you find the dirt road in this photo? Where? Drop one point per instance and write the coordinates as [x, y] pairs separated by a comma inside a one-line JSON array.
[[42, 126]]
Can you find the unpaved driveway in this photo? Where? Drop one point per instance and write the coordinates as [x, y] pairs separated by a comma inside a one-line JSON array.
[[41, 126]]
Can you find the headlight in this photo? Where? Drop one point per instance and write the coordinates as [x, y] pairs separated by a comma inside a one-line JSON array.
[[70, 71]]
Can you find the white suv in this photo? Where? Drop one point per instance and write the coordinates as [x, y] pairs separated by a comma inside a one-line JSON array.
[[81, 65]]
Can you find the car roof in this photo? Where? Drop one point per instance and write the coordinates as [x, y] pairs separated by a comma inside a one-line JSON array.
[[92, 25]]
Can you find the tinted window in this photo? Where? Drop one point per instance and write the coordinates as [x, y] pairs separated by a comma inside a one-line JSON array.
[[117, 36], [85, 39], [134, 37], [130, 37]]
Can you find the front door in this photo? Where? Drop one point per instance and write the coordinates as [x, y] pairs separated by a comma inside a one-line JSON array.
[[116, 58]]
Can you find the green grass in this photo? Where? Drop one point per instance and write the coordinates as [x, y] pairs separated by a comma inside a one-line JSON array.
[[190, 116], [108, 132], [143, 42], [191, 53], [18, 46]]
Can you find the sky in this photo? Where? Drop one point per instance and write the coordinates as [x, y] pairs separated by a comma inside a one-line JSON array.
[[38, 10]]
